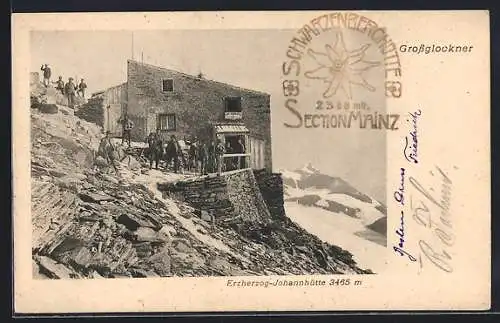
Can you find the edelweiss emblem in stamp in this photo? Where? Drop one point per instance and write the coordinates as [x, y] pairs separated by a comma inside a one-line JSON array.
[[339, 67]]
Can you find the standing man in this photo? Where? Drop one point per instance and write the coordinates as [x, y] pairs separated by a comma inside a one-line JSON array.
[[69, 91], [211, 157], [47, 73], [172, 153], [81, 88], [150, 141], [60, 85], [219, 153], [156, 150], [240, 149], [127, 126], [106, 150], [193, 152], [203, 158], [230, 163]]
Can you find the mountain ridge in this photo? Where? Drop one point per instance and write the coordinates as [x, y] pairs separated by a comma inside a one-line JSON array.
[[310, 187]]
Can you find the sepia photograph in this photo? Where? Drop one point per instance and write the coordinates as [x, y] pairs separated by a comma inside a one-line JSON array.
[[151, 156]]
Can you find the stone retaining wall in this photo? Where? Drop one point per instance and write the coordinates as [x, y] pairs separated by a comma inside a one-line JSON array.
[[271, 187], [252, 196], [207, 193]]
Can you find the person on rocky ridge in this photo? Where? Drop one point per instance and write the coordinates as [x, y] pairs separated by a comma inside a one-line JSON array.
[[59, 85], [81, 88], [69, 91], [47, 73]]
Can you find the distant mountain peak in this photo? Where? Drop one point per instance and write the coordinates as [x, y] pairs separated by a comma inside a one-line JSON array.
[[309, 168]]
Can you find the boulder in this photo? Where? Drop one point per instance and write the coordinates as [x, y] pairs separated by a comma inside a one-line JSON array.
[[110, 178], [167, 232], [134, 222], [48, 108], [94, 197], [81, 256], [50, 95], [146, 234], [202, 231], [142, 273], [161, 263], [206, 216], [181, 245], [69, 183], [54, 269], [100, 161]]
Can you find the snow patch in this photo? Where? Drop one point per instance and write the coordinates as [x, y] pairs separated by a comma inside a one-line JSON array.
[[368, 213], [339, 231]]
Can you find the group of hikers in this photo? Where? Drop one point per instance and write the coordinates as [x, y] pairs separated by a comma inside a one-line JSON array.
[[69, 89], [201, 157]]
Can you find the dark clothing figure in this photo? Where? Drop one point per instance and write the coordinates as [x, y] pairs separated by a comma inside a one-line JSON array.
[[172, 153], [240, 149], [60, 85], [211, 158], [203, 158], [107, 150], [155, 149], [47, 73], [127, 126], [81, 88], [150, 141], [219, 152], [193, 156], [69, 91], [229, 163]]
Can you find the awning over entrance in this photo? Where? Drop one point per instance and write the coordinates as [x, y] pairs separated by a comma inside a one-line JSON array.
[[231, 128]]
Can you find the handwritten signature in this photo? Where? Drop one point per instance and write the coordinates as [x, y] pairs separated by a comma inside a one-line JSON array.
[[399, 193], [401, 233], [438, 254], [411, 149]]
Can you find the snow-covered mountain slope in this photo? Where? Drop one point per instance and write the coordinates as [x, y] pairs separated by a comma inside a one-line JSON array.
[[308, 186], [343, 231], [336, 212]]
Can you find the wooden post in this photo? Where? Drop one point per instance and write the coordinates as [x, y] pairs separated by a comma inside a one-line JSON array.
[[245, 144]]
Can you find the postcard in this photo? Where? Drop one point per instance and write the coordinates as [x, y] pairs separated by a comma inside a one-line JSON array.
[[251, 161]]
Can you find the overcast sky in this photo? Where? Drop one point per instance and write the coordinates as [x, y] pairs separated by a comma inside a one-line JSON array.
[[246, 58]]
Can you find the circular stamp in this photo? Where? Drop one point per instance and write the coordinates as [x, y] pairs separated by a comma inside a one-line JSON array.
[[341, 68]]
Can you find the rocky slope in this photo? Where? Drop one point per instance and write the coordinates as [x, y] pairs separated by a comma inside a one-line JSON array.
[[90, 221]]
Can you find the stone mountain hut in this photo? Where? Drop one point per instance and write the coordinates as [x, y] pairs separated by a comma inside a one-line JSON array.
[[186, 106]]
